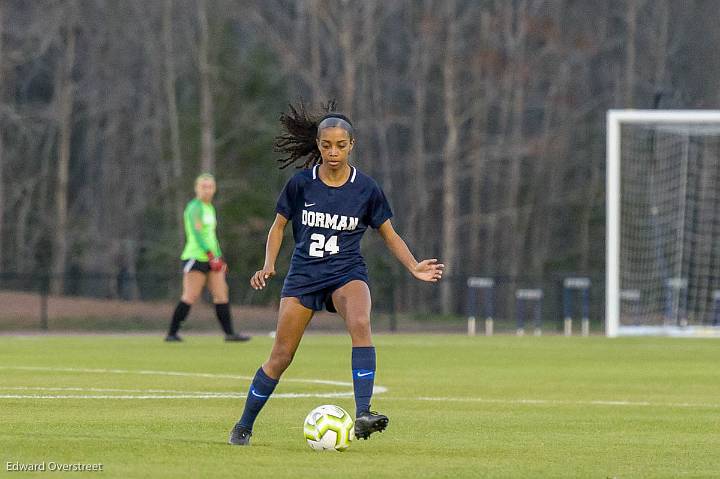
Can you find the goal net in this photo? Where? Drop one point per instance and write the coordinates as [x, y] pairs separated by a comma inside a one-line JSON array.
[[663, 223]]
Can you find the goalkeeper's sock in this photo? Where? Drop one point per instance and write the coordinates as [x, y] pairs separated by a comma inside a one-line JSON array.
[[181, 312], [223, 315], [260, 390], [363, 373]]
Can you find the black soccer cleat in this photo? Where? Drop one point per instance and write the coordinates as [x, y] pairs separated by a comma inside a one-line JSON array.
[[233, 338], [239, 436], [173, 338], [369, 422]]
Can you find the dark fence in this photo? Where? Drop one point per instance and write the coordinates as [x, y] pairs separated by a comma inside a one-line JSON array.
[[137, 303]]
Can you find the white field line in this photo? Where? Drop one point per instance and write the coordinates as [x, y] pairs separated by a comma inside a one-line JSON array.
[[170, 373], [214, 395], [174, 394], [557, 402], [105, 390], [161, 393], [149, 394]]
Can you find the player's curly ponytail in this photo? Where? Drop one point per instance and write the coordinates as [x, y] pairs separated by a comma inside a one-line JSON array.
[[301, 130]]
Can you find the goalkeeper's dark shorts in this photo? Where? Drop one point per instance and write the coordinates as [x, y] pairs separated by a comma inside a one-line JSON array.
[[195, 265]]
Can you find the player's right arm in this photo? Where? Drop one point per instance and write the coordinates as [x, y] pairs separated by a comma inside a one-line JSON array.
[[272, 248], [194, 216]]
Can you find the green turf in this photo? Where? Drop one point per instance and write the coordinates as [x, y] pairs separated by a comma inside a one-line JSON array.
[[518, 407]]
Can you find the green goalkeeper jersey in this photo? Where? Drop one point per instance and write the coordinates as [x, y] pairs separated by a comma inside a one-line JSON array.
[[198, 241]]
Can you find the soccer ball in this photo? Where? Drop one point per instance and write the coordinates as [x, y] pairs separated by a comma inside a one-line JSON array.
[[329, 428]]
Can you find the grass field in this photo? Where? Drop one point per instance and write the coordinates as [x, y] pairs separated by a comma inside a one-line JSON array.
[[458, 406]]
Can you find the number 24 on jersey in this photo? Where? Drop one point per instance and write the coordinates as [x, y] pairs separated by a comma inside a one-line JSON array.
[[320, 244]]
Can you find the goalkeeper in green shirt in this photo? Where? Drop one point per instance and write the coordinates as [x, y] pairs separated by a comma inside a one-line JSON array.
[[202, 262]]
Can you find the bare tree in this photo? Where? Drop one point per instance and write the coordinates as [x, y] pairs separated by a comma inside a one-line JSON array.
[[207, 122], [65, 97], [516, 24], [481, 218], [482, 120], [631, 19], [171, 98], [420, 60], [315, 50], [348, 53], [450, 158], [2, 142], [661, 42]]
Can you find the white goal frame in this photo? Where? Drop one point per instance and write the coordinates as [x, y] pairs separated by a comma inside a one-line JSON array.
[[615, 119]]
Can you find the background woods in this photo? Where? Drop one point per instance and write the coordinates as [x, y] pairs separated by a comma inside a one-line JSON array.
[[483, 122]]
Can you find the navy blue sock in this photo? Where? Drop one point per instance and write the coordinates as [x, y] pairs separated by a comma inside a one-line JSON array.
[[260, 390], [363, 372]]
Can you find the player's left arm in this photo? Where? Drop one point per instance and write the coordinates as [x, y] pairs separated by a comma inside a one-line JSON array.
[[425, 270]]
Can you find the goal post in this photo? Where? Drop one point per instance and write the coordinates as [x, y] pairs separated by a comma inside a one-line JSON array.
[[663, 222]]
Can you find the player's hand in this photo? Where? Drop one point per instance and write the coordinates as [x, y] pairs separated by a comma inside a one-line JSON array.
[[216, 263], [258, 280], [219, 265], [428, 270], [224, 268]]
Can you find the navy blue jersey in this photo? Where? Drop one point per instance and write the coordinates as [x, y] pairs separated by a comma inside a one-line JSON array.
[[328, 223]]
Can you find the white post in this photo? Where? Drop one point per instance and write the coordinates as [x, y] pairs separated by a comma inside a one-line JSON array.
[[612, 284], [471, 326]]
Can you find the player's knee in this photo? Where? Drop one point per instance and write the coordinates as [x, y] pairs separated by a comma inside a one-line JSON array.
[[220, 298], [189, 299], [359, 322]]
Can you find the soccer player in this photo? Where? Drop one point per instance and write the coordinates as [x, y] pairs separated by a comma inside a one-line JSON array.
[[202, 262], [330, 205]]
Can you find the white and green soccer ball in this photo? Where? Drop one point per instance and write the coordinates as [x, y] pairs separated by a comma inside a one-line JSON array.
[[329, 428]]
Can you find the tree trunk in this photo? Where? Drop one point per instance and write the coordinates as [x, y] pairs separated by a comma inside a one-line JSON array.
[[348, 60], [417, 209], [315, 55], [479, 159], [548, 170], [661, 44], [2, 178], [65, 98], [173, 119], [420, 61], [450, 165], [207, 127], [630, 53], [22, 240], [516, 138]]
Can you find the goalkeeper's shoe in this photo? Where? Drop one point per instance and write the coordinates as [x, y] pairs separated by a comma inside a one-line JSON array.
[[239, 436], [173, 338], [235, 337], [369, 422]]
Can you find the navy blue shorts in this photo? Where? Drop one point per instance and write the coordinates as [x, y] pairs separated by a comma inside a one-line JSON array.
[[323, 298]]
